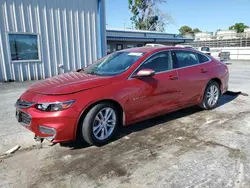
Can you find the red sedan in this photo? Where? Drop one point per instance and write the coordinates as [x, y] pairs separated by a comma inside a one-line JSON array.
[[120, 89]]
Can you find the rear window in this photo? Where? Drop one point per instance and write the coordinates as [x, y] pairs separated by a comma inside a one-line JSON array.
[[205, 49], [186, 58]]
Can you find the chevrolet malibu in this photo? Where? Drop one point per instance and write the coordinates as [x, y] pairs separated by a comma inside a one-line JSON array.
[[120, 89]]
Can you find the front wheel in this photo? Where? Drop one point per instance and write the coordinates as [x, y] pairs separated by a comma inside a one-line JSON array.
[[100, 124], [211, 96]]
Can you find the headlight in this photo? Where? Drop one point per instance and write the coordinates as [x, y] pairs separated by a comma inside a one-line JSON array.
[[56, 106]]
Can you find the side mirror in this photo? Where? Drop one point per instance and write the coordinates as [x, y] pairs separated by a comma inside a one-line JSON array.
[[144, 73]]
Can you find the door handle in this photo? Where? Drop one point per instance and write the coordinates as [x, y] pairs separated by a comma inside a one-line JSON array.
[[204, 70], [171, 77]]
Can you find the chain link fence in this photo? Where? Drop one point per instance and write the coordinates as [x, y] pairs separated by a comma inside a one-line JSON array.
[[235, 40]]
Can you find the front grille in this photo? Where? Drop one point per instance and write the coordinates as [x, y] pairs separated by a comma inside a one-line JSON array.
[[23, 118], [23, 104]]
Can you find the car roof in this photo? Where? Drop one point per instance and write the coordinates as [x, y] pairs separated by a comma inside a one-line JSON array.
[[152, 49]]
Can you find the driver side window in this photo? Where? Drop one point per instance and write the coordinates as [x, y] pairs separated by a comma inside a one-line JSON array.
[[159, 62]]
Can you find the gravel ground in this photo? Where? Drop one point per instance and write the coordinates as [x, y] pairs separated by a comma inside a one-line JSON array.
[[188, 148]]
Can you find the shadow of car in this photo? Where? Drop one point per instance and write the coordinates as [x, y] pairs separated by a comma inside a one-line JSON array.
[[226, 98]]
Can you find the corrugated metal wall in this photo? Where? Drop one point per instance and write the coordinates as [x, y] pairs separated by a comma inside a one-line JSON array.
[[68, 30]]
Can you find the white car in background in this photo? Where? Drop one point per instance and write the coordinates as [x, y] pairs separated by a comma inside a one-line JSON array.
[[221, 55], [185, 46], [153, 45], [204, 49], [218, 54]]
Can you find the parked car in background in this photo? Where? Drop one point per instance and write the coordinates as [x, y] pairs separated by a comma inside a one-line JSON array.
[[221, 55], [204, 49], [120, 89], [185, 46], [154, 45]]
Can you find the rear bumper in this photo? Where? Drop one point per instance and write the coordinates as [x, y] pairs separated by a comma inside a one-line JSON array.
[[224, 80], [224, 90]]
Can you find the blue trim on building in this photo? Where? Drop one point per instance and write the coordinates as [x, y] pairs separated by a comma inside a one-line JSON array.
[[149, 38], [138, 31], [101, 27]]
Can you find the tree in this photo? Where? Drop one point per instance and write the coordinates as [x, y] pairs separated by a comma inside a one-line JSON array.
[[239, 27], [196, 30], [184, 30], [146, 16]]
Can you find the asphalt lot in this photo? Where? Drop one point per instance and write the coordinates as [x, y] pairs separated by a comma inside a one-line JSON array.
[[188, 148]]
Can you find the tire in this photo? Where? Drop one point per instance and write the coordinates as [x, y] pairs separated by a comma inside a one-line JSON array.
[[208, 103], [95, 122]]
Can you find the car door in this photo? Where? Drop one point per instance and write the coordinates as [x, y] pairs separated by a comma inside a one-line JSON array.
[[192, 75], [156, 94]]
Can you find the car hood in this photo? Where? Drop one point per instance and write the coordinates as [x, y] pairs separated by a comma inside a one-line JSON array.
[[68, 83]]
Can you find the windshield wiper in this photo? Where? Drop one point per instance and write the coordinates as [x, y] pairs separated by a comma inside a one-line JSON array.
[[80, 70], [93, 73]]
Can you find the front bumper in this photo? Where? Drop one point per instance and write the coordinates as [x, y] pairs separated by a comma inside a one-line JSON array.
[[54, 126]]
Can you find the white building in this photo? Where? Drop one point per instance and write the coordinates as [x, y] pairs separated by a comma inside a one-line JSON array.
[[226, 34], [43, 38], [201, 36], [247, 30]]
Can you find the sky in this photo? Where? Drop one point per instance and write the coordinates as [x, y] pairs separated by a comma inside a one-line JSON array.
[[207, 15]]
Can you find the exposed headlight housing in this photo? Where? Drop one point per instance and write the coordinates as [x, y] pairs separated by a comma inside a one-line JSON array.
[[55, 106]]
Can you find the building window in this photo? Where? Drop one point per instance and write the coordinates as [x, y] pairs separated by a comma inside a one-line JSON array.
[[119, 47], [108, 49], [24, 47], [131, 46]]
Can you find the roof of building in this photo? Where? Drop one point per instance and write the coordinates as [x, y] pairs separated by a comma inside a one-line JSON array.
[[144, 36], [136, 31]]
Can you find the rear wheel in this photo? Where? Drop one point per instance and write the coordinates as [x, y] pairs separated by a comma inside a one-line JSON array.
[[211, 96], [100, 124]]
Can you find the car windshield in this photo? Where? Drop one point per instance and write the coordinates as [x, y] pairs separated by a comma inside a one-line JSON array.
[[113, 64]]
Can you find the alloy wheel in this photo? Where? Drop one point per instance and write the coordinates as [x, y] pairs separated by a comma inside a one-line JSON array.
[[213, 95], [104, 123]]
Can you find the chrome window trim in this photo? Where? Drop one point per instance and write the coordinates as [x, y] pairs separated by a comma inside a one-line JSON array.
[[195, 64], [209, 59], [171, 61]]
